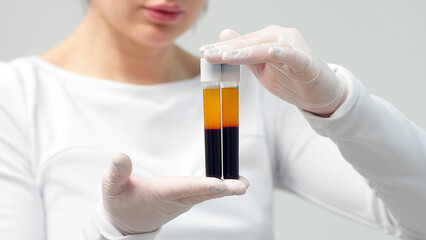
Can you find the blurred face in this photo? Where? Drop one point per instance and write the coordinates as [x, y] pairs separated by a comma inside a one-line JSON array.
[[153, 23]]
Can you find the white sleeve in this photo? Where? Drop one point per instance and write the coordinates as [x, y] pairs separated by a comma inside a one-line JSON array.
[[388, 187], [21, 208], [21, 204]]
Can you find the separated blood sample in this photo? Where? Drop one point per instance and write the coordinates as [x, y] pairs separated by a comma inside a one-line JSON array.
[[230, 135], [210, 79]]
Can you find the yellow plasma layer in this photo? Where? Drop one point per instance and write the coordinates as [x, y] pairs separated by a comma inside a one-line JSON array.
[[211, 108], [230, 107]]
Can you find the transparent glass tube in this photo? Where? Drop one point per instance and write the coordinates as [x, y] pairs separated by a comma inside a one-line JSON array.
[[230, 130], [212, 129]]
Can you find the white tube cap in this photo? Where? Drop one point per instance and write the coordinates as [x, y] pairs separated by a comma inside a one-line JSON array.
[[230, 73], [209, 72]]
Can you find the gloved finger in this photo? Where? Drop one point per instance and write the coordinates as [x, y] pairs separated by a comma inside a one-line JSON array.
[[245, 181], [253, 57], [248, 55], [228, 34], [213, 52], [233, 187], [225, 35], [230, 43], [173, 188], [270, 53], [214, 55], [268, 34], [115, 180], [236, 186]]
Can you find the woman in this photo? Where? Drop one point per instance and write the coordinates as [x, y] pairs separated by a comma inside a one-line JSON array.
[[118, 83]]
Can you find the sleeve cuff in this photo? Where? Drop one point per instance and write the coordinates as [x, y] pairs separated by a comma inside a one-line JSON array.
[[109, 232]]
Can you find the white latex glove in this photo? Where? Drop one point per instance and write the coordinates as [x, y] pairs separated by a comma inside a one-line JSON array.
[[138, 205], [285, 64]]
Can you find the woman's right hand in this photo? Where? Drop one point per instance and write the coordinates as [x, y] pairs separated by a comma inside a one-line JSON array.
[[285, 64], [140, 205]]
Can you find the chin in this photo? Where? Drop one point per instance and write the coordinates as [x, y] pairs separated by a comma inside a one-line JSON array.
[[157, 36]]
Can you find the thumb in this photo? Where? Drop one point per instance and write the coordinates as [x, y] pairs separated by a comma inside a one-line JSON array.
[[228, 34], [116, 179]]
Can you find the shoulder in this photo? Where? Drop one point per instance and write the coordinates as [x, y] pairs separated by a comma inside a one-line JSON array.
[[8, 75], [16, 77], [12, 67], [15, 74]]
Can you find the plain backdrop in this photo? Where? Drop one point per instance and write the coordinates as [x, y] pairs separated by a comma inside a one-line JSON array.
[[381, 41]]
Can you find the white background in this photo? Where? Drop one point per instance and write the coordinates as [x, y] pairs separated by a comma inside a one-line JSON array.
[[381, 41]]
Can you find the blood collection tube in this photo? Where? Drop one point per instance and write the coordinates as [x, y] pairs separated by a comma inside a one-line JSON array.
[[210, 79], [230, 124]]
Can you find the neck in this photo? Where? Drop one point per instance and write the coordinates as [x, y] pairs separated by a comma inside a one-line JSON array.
[[97, 49]]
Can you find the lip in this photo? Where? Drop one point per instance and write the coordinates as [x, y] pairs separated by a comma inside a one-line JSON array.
[[163, 13]]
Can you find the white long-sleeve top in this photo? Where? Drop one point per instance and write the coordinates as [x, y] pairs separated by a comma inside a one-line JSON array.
[[58, 130]]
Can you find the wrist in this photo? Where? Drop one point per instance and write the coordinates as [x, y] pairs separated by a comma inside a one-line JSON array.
[[327, 109]]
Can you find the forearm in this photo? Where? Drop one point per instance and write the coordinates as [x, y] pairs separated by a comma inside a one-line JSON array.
[[386, 148]]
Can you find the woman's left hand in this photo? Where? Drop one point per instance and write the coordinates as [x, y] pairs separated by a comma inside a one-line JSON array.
[[285, 64]]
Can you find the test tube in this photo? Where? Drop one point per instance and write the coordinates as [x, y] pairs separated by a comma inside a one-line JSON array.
[[230, 124], [210, 79]]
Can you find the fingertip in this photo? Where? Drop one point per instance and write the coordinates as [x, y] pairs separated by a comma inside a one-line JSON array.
[[241, 191], [231, 56], [204, 48], [121, 161], [212, 52], [115, 180], [236, 56], [117, 155], [245, 181], [213, 55], [235, 187]]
